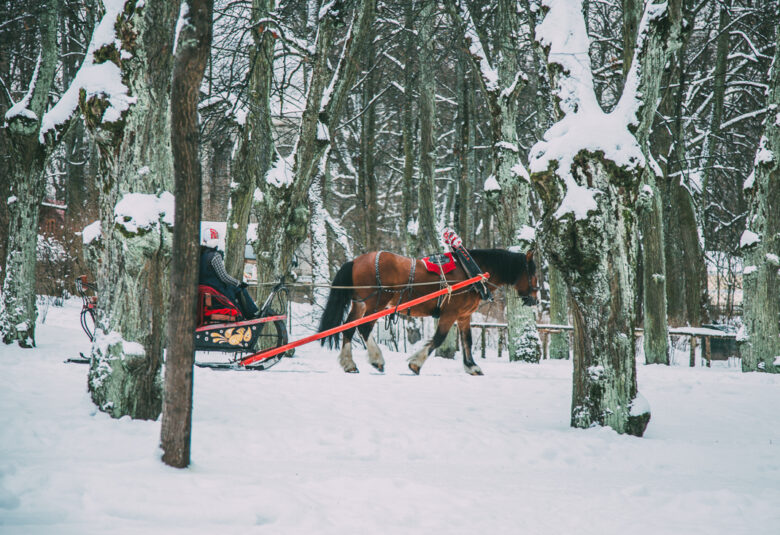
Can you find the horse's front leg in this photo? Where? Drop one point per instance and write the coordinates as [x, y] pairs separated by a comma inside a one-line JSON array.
[[418, 359], [464, 327]]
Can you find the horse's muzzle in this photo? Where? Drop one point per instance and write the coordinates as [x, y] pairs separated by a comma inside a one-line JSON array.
[[529, 300]]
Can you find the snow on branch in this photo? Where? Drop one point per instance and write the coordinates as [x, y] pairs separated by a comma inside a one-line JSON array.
[[281, 174], [631, 99], [328, 93], [584, 126], [101, 79], [22, 108], [143, 211]]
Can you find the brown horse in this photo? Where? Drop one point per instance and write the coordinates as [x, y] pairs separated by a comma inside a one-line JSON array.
[[379, 280]]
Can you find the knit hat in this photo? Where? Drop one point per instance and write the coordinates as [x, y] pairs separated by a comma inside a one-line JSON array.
[[210, 238]]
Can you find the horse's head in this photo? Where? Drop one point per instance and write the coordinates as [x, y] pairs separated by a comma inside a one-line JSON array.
[[526, 284]]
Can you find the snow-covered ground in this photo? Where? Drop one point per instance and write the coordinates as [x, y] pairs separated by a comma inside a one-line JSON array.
[[304, 448]]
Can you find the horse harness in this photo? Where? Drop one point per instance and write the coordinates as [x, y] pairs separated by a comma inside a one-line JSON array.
[[443, 283]]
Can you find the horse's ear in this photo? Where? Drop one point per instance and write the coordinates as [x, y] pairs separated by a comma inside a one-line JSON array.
[[529, 256]]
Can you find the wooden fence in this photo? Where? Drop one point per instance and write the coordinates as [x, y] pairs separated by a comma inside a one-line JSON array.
[[546, 329]]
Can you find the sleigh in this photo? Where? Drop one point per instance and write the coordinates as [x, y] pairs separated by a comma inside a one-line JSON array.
[[221, 327]]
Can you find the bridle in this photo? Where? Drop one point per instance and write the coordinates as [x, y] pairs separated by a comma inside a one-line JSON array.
[[528, 298]]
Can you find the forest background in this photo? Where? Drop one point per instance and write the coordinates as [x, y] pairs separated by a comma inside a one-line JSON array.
[[346, 127]]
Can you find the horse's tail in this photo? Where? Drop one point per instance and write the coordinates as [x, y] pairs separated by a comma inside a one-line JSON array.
[[338, 304]]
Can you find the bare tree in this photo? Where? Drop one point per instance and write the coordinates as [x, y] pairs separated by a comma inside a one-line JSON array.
[[285, 189], [189, 65]]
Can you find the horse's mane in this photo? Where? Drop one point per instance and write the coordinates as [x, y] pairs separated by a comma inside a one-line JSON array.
[[504, 265]]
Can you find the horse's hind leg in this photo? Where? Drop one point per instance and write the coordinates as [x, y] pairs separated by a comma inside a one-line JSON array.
[[375, 357], [418, 359], [464, 326], [345, 357]]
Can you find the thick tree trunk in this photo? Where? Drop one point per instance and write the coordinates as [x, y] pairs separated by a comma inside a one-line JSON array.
[[595, 247], [596, 257], [27, 158], [190, 64], [760, 340], [427, 240], [124, 376]]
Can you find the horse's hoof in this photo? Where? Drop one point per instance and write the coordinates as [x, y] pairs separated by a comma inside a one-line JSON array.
[[415, 368], [379, 366], [351, 370], [474, 371]]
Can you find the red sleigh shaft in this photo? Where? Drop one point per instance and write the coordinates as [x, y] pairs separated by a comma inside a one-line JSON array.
[[256, 357]]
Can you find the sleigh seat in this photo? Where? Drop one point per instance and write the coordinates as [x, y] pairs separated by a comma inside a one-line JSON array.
[[214, 307]]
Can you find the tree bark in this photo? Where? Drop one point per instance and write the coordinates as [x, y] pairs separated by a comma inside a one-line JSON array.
[[367, 192], [651, 224], [256, 150], [760, 340], [559, 342], [407, 129], [464, 206], [718, 99], [124, 376], [427, 239], [284, 210], [662, 44], [189, 66], [596, 253], [686, 275], [510, 200], [27, 158]]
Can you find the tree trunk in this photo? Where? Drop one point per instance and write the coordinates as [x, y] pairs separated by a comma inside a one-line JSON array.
[[256, 149], [407, 129], [685, 267], [718, 99], [760, 243], [501, 82], [137, 169], [559, 342], [596, 257], [650, 216], [464, 206], [27, 157], [427, 239], [593, 241], [366, 172], [190, 64], [320, 263], [283, 211]]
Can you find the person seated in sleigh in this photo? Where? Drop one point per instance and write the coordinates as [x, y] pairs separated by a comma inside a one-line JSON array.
[[213, 273]]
